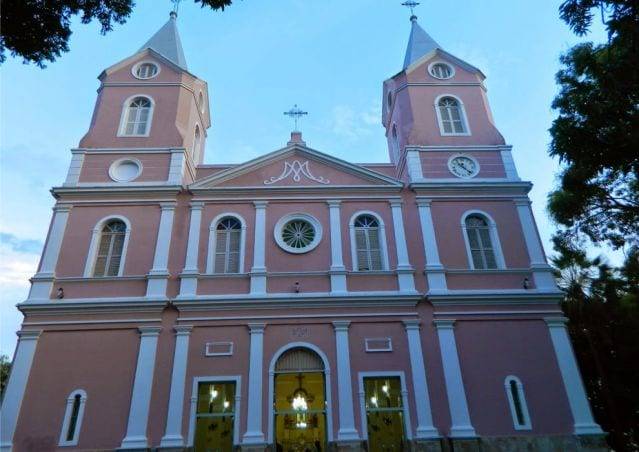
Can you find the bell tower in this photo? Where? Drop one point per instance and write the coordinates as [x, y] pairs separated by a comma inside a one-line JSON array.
[[435, 100]]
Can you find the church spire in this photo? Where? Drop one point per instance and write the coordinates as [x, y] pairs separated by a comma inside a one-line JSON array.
[[419, 43], [166, 42]]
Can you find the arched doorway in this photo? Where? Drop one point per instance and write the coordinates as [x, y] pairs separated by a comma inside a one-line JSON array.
[[299, 401]]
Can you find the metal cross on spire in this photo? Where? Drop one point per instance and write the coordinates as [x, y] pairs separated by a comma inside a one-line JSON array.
[[296, 113], [176, 6], [410, 4]]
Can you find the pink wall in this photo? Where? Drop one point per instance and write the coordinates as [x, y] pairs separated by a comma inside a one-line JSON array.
[[155, 167], [435, 164]]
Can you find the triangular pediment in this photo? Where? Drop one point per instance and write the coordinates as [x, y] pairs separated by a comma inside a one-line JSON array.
[[296, 167]]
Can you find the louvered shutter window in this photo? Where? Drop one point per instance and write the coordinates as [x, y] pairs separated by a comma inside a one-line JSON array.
[[227, 246], [367, 243], [110, 249], [479, 240], [450, 113]]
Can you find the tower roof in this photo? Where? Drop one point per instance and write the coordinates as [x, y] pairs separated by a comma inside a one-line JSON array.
[[419, 43], [166, 42]]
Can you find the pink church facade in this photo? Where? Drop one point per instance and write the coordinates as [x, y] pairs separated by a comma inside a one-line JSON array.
[[296, 301]]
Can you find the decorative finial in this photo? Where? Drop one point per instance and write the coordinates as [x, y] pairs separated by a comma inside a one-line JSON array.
[[410, 4], [296, 113], [176, 6]]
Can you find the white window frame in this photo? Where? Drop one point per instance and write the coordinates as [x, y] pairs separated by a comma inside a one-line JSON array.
[[369, 349], [362, 401], [134, 69], [277, 232], [382, 239], [494, 238], [209, 353], [63, 442], [118, 162], [450, 66], [95, 242], [237, 379], [462, 114], [124, 114], [527, 425], [210, 258]]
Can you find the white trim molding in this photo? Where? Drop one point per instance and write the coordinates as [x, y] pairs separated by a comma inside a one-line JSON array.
[[124, 116], [208, 348], [517, 405], [462, 114], [68, 413], [337, 271], [210, 258], [434, 269], [188, 278], [577, 398], [75, 168], [158, 276], [95, 243], [254, 434], [446, 63], [327, 378], [494, 238], [405, 276], [461, 426], [237, 379], [258, 271], [386, 347], [16, 386], [347, 431], [135, 67], [362, 399], [382, 240]]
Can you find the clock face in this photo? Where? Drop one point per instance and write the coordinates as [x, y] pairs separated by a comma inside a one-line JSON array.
[[463, 166]]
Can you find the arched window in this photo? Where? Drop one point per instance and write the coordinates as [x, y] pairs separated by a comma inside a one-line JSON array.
[[137, 117], [200, 101], [73, 418], [451, 116], [197, 140], [368, 244], [395, 138], [228, 245], [110, 249], [517, 401], [482, 242]]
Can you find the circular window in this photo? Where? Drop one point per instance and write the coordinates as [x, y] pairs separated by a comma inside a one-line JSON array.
[[125, 170], [145, 70], [298, 233], [441, 71]]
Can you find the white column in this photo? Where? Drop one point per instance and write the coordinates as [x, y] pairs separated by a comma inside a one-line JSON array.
[[434, 268], [460, 418], [509, 164], [584, 422], [254, 434], [337, 271], [42, 282], [542, 272], [73, 175], [414, 166], [405, 272], [14, 391], [258, 272], [142, 387], [425, 428], [347, 431], [173, 433], [188, 278], [176, 167], [159, 274]]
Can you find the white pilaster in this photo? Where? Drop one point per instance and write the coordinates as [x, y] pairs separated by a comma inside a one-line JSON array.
[[75, 167], [582, 416], [190, 273], [405, 271], [142, 386], [414, 166], [425, 428], [42, 282], [258, 272], [434, 268], [460, 418], [176, 167], [542, 272], [337, 271], [173, 433], [509, 165], [254, 434], [159, 274], [14, 391], [347, 431]]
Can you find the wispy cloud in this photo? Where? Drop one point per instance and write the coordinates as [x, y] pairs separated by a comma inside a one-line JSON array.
[[20, 245], [347, 122]]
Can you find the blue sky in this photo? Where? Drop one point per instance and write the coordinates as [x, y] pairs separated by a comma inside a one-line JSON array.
[[259, 58]]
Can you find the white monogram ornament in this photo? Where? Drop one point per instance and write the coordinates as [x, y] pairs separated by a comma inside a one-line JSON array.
[[298, 170]]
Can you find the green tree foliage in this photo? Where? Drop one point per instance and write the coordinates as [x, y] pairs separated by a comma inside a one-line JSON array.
[[5, 369], [38, 30], [602, 304], [596, 135]]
